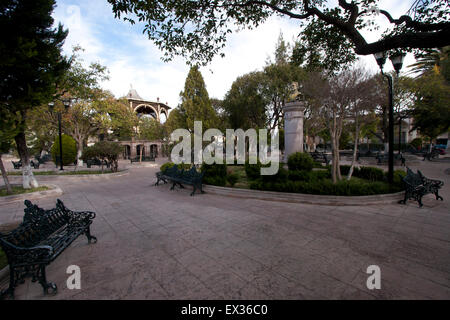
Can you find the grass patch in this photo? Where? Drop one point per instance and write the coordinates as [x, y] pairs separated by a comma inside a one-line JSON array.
[[21, 190], [64, 173], [3, 260]]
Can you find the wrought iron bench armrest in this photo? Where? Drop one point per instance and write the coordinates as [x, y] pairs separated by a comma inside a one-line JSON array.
[[22, 255]]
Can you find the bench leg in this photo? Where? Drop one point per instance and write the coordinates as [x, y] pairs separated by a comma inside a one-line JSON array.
[[48, 287], [10, 291], [404, 200], [419, 199], [438, 196], [89, 236]]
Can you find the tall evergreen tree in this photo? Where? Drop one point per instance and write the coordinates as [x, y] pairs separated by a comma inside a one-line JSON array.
[[31, 64], [195, 102]]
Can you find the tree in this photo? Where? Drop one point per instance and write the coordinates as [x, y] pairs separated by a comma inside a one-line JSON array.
[[199, 29], [434, 60], [245, 103], [87, 114], [339, 99], [151, 129], [104, 151], [195, 103], [31, 64], [431, 110], [8, 130]]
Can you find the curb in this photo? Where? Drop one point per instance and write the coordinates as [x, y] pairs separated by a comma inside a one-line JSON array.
[[54, 191], [305, 198], [79, 176]]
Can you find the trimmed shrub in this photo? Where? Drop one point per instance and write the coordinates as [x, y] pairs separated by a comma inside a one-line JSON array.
[[105, 151], [232, 178], [69, 150], [280, 176], [166, 166], [215, 174], [371, 174], [253, 171], [169, 164], [299, 175], [398, 178], [300, 161], [326, 187]]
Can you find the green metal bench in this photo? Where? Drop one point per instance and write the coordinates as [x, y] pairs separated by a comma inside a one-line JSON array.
[[417, 185], [144, 159], [40, 239], [180, 177]]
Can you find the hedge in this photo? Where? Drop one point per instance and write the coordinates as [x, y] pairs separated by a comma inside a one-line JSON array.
[[69, 150]]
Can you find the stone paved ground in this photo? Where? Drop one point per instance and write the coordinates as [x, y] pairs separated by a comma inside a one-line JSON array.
[[160, 244]]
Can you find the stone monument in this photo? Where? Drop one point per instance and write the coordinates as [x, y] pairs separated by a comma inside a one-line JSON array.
[[293, 125]]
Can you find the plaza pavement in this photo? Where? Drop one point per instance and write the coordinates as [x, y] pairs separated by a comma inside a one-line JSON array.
[[154, 243]]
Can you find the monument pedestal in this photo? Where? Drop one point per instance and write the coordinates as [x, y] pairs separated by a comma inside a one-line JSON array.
[[293, 128]]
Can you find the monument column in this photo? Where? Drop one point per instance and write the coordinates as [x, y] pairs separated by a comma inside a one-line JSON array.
[[293, 127]]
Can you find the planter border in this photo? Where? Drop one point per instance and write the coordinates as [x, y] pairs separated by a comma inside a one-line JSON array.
[[53, 191], [79, 176], [305, 198]]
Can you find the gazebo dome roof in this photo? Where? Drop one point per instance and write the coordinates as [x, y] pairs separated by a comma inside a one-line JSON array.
[[132, 94]]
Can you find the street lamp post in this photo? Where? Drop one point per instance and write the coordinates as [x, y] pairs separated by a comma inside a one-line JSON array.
[[397, 62], [66, 106]]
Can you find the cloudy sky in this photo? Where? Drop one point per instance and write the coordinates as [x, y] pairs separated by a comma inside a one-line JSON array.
[[134, 60]]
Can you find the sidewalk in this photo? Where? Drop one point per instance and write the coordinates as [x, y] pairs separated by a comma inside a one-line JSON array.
[[154, 243]]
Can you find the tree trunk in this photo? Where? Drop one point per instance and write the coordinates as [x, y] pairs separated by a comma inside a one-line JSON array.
[[79, 153], [29, 181], [5, 177], [334, 159], [355, 150]]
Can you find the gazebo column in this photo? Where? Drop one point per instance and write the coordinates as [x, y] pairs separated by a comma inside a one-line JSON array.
[[293, 128]]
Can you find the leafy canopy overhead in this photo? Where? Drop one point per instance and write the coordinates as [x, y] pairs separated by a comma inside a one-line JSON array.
[[199, 29]]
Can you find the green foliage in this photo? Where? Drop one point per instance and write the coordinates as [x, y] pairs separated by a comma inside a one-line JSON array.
[[166, 166], [31, 63], [322, 46], [416, 143], [367, 173], [301, 175], [195, 103], [371, 174], [245, 103], [280, 177], [8, 129], [104, 150], [214, 174], [151, 129], [397, 178], [253, 171], [198, 30], [300, 161], [431, 110], [232, 178], [69, 150], [354, 187]]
